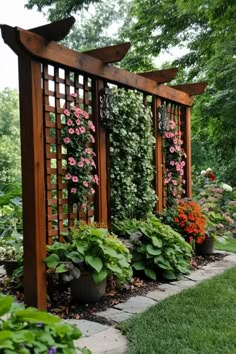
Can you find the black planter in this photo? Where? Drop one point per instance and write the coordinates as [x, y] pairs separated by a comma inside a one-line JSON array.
[[10, 266], [206, 247], [86, 290]]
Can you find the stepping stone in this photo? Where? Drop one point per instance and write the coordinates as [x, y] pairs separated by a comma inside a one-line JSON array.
[[136, 304], [110, 341], [184, 284], [114, 315], [88, 328]]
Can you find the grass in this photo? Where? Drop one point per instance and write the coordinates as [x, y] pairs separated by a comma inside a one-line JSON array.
[[229, 246], [200, 320]]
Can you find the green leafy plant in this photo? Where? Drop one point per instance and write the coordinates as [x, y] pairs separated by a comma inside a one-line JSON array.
[[156, 248], [30, 331], [93, 249], [130, 126]]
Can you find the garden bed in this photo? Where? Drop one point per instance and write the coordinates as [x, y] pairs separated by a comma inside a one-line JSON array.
[[60, 302]]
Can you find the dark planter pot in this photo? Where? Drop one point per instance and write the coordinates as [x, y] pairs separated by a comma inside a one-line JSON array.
[[10, 266], [86, 290], [205, 248]]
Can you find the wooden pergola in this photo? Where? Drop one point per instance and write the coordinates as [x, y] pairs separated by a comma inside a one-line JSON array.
[[48, 74]]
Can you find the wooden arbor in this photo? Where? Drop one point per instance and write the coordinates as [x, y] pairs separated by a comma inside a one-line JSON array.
[[48, 74]]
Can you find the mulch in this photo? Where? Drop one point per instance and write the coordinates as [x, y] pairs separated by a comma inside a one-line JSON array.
[[61, 304]]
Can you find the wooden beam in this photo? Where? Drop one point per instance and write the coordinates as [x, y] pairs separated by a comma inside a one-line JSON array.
[[54, 52], [161, 76], [195, 88], [186, 123], [55, 31], [110, 54], [33, 182]]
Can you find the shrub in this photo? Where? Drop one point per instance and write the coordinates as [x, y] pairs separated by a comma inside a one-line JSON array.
[[156, 248]]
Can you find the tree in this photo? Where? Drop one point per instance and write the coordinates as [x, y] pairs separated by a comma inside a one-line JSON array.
[[9, 136]]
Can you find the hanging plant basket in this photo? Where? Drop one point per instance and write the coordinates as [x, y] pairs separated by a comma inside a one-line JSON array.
[[206, 247]]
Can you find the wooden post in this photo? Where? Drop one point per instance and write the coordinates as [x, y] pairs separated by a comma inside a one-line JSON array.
[[32, 150], [186, 120], [158, 181], [102, 198]]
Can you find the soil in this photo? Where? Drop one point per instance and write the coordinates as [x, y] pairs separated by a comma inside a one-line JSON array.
[[60, 302]]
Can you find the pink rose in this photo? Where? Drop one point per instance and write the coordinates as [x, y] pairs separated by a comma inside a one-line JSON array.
[[172, 149], [92, 139], [92, 190], [66, 140], [75, 179], [72, 161], [68, 176], [96, 179], [172, 163], [91, 125], [88, 151], [77, 131], [174, 182], [86, 115], [78, 121], [182, 163], [181, 172], [80, 164], [73, 190], [77, 114]]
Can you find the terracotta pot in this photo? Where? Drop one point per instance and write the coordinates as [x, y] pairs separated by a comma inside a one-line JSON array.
[[206, 247], [86, 290]]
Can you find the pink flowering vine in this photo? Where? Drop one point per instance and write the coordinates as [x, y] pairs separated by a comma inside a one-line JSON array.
[[77, 137]]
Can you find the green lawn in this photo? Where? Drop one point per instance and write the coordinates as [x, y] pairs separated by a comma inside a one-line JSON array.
[[200, 320], [229, 246]]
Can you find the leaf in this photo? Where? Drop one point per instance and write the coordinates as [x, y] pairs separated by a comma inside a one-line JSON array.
[[138, 265], [153, 251], [114, 268], [94, 262], [5, 304], [74, 256], [32, 315], [150, 273], [123, 263], [99, 277], [61, 269], [52, 260], [168, 274], [156, 242]]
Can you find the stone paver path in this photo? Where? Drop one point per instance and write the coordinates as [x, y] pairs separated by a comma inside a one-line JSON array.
[[103, 339]]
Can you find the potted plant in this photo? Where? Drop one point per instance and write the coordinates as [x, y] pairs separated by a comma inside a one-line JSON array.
[[86, 258], [11, 252]]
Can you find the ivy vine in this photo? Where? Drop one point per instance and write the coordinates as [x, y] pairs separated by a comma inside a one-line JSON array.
[[130, 127]]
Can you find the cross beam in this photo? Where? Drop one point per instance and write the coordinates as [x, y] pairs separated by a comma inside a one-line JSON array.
[[161, 76], [110, 54], [195, 88]]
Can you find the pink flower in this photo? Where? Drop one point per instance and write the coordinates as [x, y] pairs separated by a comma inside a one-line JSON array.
[[77, 131], [71, 131], [72, 161], [74, 94], [78, 121], [75, 179], [68, 176], [73, 190], [66, 140], [67, 112], [93, 164], [169, 174], [174, 182], [85, 183], [175, 141], [183, 181], [88, 151], [92, 190], [91, 125], [177, 167], [174, 193], [166, 180], [83, 206], [86, 115], [172, 163], [69, 122], [92, 139], [87, 161], [77, 114], [80, 164], [182, 163], [82, 130], [172, 149], [178, 148], [183, 191], [181, 172]]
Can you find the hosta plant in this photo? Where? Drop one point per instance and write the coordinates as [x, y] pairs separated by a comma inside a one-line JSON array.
[[30, 331], [156, 248], [88, 248]]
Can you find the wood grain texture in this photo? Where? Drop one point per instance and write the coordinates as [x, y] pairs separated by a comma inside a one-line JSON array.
[[195, 88], [161, 76], [110, 54], [158, 180], [55, 31]]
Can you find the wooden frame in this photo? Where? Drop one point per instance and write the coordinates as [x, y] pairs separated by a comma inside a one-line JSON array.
[[37, 52]]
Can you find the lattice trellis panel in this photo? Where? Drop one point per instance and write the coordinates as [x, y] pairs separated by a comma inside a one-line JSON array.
[[174, 114], [58, 84]]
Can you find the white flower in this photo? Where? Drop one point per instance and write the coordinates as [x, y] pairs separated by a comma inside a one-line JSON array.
[[208, 169], [226, 187], [203, 173]]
